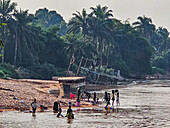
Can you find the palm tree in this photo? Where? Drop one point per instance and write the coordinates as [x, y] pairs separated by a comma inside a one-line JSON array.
[[164, 34], [157, 41], [79, 23], [100, 26], [72, 43], [78, 45], [144, 26], [97, 25], [25, 36], [6, 11]]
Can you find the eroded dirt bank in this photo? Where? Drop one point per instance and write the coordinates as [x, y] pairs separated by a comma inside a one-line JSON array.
[[19, 94]]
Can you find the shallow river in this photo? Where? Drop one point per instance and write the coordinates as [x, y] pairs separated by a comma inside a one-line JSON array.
[[143, 105]]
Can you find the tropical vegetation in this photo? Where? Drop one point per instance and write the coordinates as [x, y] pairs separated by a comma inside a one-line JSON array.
[[41, 45]]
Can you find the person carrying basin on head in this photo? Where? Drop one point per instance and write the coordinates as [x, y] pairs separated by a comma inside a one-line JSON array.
[[116, 90]]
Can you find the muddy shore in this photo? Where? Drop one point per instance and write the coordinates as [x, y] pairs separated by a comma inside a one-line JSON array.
[[19, 94]]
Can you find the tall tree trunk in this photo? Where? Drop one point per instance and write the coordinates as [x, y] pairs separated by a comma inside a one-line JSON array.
[[108, 51], [101, 54], [165, 45], [3, 55], [16, 48], [3, 33], [107, 57]]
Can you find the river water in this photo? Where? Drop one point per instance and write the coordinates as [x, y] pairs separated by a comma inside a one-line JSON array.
[[142, 105]]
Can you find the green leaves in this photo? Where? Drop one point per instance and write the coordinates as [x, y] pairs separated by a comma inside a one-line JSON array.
[[46, 19], [2, 24], [144, 26], [1, 44], [41, 38]]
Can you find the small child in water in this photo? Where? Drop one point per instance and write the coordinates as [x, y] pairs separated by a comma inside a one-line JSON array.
[[117, 99]]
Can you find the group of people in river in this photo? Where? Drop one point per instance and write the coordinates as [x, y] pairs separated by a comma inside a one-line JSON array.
[[57, 106], [115, 96], [56, 109]]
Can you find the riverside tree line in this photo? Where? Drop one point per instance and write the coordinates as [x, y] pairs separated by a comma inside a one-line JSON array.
[[40, 45]]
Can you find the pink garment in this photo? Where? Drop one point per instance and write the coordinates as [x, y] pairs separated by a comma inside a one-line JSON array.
[[77, 104], [72, 96]]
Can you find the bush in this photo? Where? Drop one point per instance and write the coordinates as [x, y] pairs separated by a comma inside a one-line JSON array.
[[8, 70], [2, 74], [46, 71], [162, 61], [109, 71], [156, 70], [26, 74], [124, 69]]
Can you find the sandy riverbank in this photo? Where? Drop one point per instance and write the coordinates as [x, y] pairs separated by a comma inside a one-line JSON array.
[[19, 94]]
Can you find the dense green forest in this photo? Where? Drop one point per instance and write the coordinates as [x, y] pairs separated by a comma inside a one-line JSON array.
[[40, 45]]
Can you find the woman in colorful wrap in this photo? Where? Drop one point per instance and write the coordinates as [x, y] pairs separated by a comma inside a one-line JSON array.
[[70, 114]]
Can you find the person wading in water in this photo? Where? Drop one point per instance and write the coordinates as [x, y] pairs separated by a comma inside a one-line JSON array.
[[34, 106], [106, 98], [113, 97], [70, 114], [117, 99], [60, 110]]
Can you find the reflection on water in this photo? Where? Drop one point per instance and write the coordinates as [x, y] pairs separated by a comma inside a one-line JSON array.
[[83, 117], [141, 106], [95, 117]]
